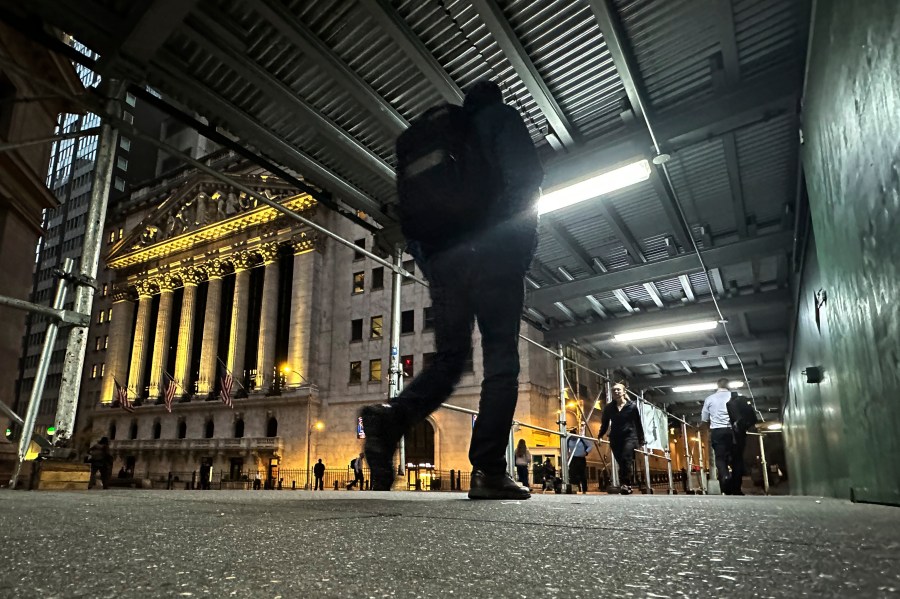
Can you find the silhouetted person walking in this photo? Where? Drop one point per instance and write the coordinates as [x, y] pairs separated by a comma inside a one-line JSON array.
[[101, 460], [357, 466], [622, 418], [319, 473], [468, 182], [523, 461], [578, 450]]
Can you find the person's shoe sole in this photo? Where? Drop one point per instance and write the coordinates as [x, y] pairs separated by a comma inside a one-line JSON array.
[[496, 494]]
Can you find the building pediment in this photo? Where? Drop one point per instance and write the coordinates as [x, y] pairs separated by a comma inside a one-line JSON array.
[[199, 212]]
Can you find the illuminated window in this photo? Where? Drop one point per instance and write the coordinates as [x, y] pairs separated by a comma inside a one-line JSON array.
[[376, 328], [101, 318], [427, 319], [94, 371], [121, 232], [98, 343], [406, 362], [122, 163], [125, 143], [375, 371], [355, 373], [105, 289], [408, 321], [356, 328], [131, 101], [105, 341], [109, 315], [119, 183], [359, 255], [112, 236], [359, 282], [103, 369], [378, 278]]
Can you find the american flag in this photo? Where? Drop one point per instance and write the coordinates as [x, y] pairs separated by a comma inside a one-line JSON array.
[[170, 393], [122, 396], [225, 393]]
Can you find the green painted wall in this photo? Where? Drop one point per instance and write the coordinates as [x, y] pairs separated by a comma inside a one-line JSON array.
[[851, 156]]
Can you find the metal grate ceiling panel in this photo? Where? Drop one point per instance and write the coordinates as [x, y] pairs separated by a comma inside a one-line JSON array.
[[700, 179], [767, 33], [672, 41], [768, 172], [567, 49]]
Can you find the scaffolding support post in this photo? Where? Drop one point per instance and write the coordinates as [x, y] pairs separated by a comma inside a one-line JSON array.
[[647, 485], [763, 464], [613, 464], [511, 453], [669, 469], [76, 346], [563, 433], [703, 482], [40, 377], [395, 384], [687, 456]]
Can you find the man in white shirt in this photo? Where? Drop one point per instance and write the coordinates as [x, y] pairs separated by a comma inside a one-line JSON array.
[[715, 413]]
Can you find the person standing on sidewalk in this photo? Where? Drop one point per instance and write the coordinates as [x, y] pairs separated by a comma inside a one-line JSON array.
[[578, 450], [622, 418], [319, 473], [468, 181], [721, 437]]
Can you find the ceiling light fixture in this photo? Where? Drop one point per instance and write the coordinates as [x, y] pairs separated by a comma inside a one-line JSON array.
[[595, 186], [679, 329], [705, 387]]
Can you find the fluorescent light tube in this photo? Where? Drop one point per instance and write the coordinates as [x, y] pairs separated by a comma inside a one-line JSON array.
[[595, 186], [705, 387], [679, 329]]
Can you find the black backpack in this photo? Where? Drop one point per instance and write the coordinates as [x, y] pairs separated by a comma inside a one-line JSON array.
[[741, 413], [444, 182]]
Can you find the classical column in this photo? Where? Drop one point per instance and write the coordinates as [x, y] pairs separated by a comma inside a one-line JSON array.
[[237, 340], [299, 339], [268, 318], [161, 342], [190, 277], [118, 352], [141, 338], [208, 357]]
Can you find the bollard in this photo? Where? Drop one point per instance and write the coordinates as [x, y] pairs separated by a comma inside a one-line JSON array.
[[458, 484], [452, 480], [335, 485], [169, 484], [293, 485]]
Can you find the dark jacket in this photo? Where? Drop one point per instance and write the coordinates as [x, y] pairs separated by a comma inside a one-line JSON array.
[[319, 470], [622, 423], [100, 456]]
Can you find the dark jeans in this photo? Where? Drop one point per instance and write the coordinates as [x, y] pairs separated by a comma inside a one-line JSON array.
[[737, 464], [722, 440], [522, 474], [578, 473], [471, 283], [623, 451], [359, 479], [320, 484]]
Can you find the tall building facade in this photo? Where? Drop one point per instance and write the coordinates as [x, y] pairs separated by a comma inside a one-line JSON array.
[[26, 113], [205, 282]]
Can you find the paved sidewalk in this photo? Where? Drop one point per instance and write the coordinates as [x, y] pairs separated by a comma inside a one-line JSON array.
[[302, 544]]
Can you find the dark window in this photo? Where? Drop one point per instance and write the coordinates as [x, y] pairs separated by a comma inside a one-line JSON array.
[[427, 359], [157, 430], [272, 427], [410, 267], [133, 432], [427, 319], [237, 466], [359, 243], [210, 429], [239, 428], [359, 282], [355, 373], [376, 327], [356, 329], [406, 362], [375, 371], [182, 429], [378, 278], [112, 431], [408, 321], [469, 364]]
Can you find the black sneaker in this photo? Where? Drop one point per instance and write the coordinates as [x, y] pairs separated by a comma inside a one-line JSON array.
[[625, 490], [383, 432], [496, 486]]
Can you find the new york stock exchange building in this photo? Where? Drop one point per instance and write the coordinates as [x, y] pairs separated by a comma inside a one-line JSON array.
[[203, 285]]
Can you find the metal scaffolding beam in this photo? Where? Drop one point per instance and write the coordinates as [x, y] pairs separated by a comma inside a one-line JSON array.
[[768, 344], [758, 247]]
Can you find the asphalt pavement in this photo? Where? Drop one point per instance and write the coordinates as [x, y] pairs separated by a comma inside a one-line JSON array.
[[271, 544]]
